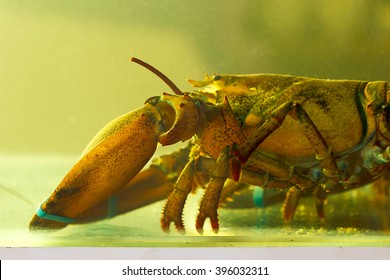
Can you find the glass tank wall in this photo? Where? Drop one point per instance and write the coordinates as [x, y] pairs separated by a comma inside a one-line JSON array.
[[66, 71]]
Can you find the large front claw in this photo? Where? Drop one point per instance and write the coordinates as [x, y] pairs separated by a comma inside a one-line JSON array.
[[150, 185], [113, 157]]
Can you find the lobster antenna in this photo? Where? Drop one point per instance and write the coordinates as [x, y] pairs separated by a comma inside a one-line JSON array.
[[173, 87]]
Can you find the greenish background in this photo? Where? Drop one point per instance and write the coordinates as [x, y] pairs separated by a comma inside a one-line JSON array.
[[65, 72], [65, 67]]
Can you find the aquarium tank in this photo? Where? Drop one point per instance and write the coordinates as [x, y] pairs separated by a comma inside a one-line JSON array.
[[66, 72]]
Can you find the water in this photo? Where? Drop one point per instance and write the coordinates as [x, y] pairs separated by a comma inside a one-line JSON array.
[[66, 72]]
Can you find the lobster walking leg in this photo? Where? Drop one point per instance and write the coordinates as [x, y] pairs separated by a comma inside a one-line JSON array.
[[274, 121], [246, 149], [177, 199], [230, 188], [323, 152], [290, 203], [277, 169], [320, 198], [211, 198]]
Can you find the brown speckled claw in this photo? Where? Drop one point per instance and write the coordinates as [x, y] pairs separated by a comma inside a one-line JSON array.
[[209, 205], [167, 219], [173, 209]]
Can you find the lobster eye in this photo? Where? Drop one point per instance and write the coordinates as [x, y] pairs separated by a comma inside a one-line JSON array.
[[217, 78]]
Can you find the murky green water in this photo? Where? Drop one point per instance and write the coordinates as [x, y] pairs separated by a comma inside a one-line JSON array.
[[66, 72]]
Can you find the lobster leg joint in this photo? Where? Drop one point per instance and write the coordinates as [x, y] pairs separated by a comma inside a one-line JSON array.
[[323, 151], [211, 198], [174, 206]]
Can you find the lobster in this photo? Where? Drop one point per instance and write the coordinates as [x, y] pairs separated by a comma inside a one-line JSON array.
[[305, 135]]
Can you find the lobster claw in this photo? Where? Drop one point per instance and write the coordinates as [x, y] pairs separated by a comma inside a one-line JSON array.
[[118, 153], [113, 158]]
